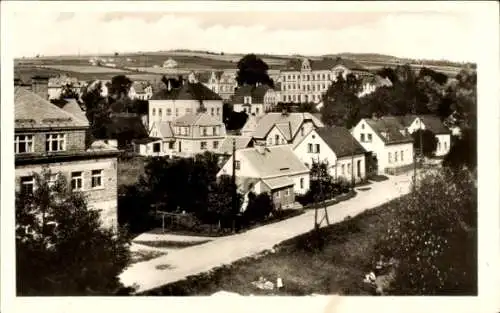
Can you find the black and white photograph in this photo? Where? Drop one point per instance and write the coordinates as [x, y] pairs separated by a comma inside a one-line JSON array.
[[202, 149]]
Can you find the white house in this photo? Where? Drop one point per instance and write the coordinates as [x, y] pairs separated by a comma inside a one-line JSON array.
[[170, 63], [280, 128], [275, 170], [149, 147], [254, 100], [371, 83], [388, 141], [141, 91], [434, 124], [338, 148]]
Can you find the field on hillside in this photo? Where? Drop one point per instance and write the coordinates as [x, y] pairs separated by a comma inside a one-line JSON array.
[[83, 68], [26, 72]]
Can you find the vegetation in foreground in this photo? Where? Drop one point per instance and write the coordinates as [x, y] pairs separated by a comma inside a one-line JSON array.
[[431, 233]]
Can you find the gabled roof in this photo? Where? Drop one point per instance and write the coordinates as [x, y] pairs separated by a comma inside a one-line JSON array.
[[144, 141], [165, 129], [389, 129], [274, 161], [31, 110], [340, 140], [188, 91], [278, 182], [256, 92], [201, 119], [241, 142], [434, 124], [323, 64], [294, 120], [71, 106], [140, 87]]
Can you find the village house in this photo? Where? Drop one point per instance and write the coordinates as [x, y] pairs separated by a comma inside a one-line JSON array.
[[170, 63], [56, 85], [140, 91], [188, 135], [226, 147], [53, 138], [434, 124], [280, 128], [336, 147], [221, 82], [169, 103], [254, 100], [388, 141], [307, 80], [371, 83], [275, 170]]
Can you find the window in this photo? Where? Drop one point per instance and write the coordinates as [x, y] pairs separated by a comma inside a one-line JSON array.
[[159, 112], [218, 111], [276, 139], [216, 144], [310, 148], [203, 145], [212, 111], [390, 157], [287, 192], [76, 181], [52, 180], [154, 112], [237, 165], [156, 147], [55, 142], [171, 145], [445, 146], [214, 131], [188, 110], [369, 137], [395, 156], [402, 155], [362, 126], [169, 112], [362, 137], [176, 111], [23, 144], [439, 146], [317, 148], [348, 168], [277, 194], [256, 110], [96, 178], [204, 131], [302, 131], [301, 183], [27, 184], [343, 169], [270, 141]]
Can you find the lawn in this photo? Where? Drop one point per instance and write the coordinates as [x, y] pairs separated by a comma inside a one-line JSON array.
[[83, 69], [336, 268]]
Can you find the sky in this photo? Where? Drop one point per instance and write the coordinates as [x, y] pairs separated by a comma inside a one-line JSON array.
[[416, 34]]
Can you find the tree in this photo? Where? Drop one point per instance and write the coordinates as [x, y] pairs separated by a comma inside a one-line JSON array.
[[220, 196], [428, 144], [253, 70], [433, 237], [61, 246], [341, 105], [68, 92], [119, 87], [97, 110], [259, 207], [463, 152]]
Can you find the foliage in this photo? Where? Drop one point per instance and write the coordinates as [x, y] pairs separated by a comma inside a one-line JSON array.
[[97, 110], [259, 207], [429, 142], [341, 105], [61, 246], [134, 208], [119, 87], [433, 237], [463, 151], [68, 92], [253, 70], [220, 200], [235, 120]]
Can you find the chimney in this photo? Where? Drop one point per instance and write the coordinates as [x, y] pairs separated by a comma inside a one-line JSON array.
[[40, 86]]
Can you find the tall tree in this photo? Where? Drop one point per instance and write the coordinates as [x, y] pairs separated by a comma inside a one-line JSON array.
[[97, 110], [341, 105], [428, 144], [119, 87], [253, 70], [61, 246]]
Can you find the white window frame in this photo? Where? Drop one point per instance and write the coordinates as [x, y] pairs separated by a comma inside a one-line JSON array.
[[59, 137], [215, 144], [97, 175], [78, 179], [287, 192], [28, 141], [203, 145], [302, 183], [237, 165], [370, 138], [30, 180]]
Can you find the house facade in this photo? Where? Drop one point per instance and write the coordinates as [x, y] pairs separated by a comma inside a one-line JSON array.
[[388, 142], [168, 104], [371, 83], [56, 85], [51, 138], [434, 124], [274, 170], [254, 100], [307, 80], [188, 135], [280, 128], [140, 91], [221, 82], [336, 147]]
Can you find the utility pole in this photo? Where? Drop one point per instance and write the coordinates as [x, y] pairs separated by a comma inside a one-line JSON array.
[[234, 204], [352, 162]]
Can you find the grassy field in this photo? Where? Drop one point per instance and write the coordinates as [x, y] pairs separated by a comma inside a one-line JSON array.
[[171, 244], [83, 69], [26, 72], [336, 268]]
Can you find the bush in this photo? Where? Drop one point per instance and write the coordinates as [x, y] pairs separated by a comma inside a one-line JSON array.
[[259, 208]]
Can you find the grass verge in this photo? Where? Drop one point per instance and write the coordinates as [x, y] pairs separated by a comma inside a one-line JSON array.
[[170, 244]]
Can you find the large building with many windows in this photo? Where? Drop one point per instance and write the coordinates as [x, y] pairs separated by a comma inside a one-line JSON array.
[[307, 80], [53, 138]]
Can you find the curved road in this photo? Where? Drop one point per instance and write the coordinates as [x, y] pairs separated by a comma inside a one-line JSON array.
[[226, 250]]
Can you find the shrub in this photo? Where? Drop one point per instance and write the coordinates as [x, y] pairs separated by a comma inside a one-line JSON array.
[[259, 207]]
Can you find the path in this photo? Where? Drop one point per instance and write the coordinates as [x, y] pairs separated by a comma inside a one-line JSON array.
[[226, 250]]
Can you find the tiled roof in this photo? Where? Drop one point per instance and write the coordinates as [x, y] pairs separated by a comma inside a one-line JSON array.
[[256, 92], [139, 87], [63, 80], [165, 129], [434, 124], [241, 142], [391, 126], [143, 141], [30, 110], [278, 182], [274, 161], [340, 140], [202, 119], [323, 64], [71, 106], [294, 120], [188, 91]]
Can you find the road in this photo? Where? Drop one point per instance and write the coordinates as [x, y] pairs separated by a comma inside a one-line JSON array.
[[194, 260]]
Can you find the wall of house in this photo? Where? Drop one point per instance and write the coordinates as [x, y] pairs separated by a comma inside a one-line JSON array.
[[405, 148], [192, 146], [343, 168], [75, 139], [297, 178], [443, 146], [274, 134], [325, 152], [304, 130], [283, 198], [376, 145], [179, 108], [245, 170], [104, 197]]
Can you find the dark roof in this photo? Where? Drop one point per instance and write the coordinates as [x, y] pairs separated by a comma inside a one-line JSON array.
[[188, 91], [256, 92], [323, 64], [389, 129], [434, 124], [340, 140], [142, 141]]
